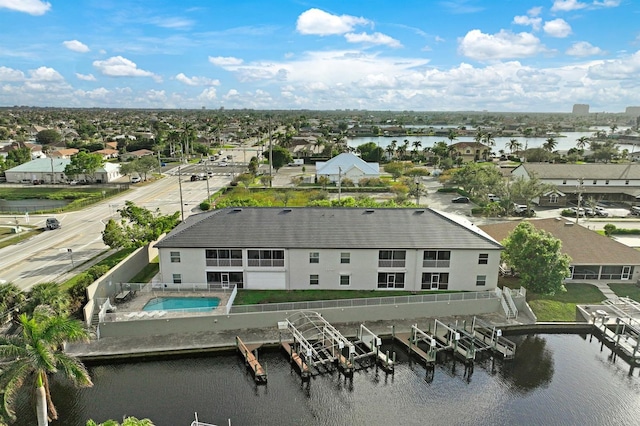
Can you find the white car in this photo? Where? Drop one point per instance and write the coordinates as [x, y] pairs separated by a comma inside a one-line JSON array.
[[222, 164], [136, 179]]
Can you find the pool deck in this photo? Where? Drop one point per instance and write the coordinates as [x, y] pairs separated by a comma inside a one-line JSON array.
[[133, 308]]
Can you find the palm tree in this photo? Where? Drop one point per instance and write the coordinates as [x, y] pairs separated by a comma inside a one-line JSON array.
[[416, 146], [390, 152], [35, 354], [514, 145], [550, 144], [11, 298], [581, 142], [488, 139], [50, 294], [453, 135]]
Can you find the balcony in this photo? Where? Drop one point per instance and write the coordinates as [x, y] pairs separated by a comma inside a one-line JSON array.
[[224, 262], [388, 263], [267, 263], [435, 263]]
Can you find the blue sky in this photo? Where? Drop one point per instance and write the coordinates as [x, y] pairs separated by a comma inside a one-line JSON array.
[[423, 55]]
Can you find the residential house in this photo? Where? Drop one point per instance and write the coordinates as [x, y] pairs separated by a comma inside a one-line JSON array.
[[107, 153], [136, 154], [329, 248], [593, 256], [63, 153], [347, 165], [36, 150], [471, 151], [599, 181]]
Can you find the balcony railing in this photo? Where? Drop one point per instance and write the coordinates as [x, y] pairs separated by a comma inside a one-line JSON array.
[[267, 263], [224, 262], [435, 263], [386, 263]]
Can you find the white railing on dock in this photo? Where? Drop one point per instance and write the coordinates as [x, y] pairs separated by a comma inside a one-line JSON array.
[[513, 311], [232, 297], [372, 301]]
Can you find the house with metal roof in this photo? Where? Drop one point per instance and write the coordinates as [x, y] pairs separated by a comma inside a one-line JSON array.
[[602, 182], [347, 165], [329, 248], [593, 256], [51, 170]]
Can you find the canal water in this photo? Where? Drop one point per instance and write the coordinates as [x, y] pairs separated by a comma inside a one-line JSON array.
[[555, 379]]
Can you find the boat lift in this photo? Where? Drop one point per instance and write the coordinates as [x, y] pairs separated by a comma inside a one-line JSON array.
[[491, 337], [373, 343], [318, 343]]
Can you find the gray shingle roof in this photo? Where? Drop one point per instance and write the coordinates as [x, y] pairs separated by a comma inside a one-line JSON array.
[[346, 161], [583, 171], [326, 228]]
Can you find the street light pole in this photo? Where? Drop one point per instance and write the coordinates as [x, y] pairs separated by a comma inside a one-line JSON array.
[[339, 182], [270, 154], [180, 186]]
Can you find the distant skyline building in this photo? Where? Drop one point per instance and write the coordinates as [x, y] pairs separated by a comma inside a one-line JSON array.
[[581, 109], [633, 110]]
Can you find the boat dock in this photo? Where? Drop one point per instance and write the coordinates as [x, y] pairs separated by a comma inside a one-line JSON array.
[[249, 353], [372, 343], [296, 360]]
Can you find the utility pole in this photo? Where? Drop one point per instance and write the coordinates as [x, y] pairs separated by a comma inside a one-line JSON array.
[[53, 176], [339, 182], [580, 190], [270, 154], [180, 186], [206, 176], [417, 191]]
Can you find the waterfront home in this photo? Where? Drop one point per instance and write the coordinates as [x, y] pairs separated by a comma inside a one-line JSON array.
[[329, 248], [593, 256], [347, 165]]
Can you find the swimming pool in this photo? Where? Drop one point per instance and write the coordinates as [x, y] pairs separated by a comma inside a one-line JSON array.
[[182, 304]]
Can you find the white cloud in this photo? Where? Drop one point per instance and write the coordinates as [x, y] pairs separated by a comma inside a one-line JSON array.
[[117, 66], [172, 22], [375, 38], [32, 7], [567, 5], [626, 68], [45, 74], [196, 81], [85, 77], [232, 93], [208, 94], [584, 48], [534, 22], [607, 3], [319, 22], [557, 28], [503, 45], [76, 46], [9, 74], [224, 61], [535, 11]]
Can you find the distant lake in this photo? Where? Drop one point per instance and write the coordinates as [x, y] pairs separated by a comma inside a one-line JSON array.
[[554, 380]]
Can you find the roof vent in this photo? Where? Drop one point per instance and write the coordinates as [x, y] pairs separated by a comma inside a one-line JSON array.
[[420, 211], [286, 210], [568, 224], [237, 209], [369, 211]]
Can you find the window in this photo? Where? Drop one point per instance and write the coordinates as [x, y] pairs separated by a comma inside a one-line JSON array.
[[483, 258], [266, 258], [553, 198], [345, 257], [390, 279], [314, 257], [177, 278], [175, 256], [223, 257], [391, 258], [435, 281], [436, 259], [314, 279], [345, 279], [481, 280]]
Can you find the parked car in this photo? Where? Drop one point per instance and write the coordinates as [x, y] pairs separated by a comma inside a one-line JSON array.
[[52, 223], [195, 178], [580, 212], [136, 179], [461, 200], [600, 211], [521, 210], [493, 198]]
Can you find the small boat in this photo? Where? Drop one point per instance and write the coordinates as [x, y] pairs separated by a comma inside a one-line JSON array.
[[196, 422]]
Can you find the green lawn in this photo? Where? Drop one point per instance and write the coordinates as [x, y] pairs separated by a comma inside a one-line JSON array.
[[631, 291], [251, 297], [561, 306]]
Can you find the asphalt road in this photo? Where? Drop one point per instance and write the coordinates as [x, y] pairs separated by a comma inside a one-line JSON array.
[[53, 253]]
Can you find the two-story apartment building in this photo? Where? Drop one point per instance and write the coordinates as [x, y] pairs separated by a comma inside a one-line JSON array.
[[330, 248], [602, 182]]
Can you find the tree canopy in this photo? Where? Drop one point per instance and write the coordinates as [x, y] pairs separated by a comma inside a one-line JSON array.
[[370, 151], [138, 227], [84, 163], [281, 156], [48, 137], [537, 256], [478, 179]]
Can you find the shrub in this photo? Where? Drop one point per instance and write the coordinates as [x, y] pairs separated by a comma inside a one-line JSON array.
[[205, 205]]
